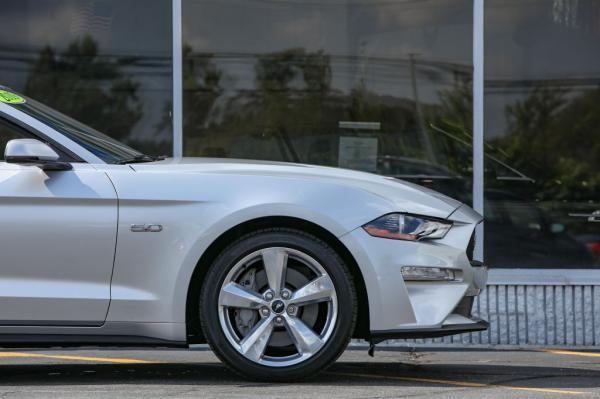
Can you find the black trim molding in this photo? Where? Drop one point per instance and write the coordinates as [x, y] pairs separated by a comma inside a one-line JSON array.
[[46, 340], [477, 325]]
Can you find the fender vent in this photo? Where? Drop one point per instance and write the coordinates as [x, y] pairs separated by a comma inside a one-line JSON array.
[[471, 247], [465, 306]]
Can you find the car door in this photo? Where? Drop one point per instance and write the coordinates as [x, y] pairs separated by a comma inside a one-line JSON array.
[[57, 241]]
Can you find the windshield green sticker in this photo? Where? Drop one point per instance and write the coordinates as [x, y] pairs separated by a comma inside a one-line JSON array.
[[10, 98]]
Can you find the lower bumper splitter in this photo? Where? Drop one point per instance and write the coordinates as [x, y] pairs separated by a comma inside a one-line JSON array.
[[477, 325]]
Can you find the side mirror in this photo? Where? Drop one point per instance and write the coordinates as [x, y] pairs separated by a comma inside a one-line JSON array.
[[35, 153]]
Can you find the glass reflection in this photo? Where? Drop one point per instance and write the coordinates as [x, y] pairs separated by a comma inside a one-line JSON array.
[[543, 122], [378, 86], [106, 63]]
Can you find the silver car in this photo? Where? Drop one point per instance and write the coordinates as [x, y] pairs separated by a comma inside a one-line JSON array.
[[277, 266]]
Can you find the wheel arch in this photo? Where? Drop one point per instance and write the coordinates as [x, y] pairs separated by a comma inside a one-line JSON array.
[[193, 330]]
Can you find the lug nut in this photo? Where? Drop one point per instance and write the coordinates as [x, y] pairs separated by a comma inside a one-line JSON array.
[[278, 320], [285, 294], [291, 310], [269, 296], [265, 311]]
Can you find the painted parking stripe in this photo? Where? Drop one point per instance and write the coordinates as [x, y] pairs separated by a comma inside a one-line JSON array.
[[463, 383], [69, 357], [572, 353]]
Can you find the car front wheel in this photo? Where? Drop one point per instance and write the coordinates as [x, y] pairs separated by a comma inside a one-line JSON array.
[[278, 304]]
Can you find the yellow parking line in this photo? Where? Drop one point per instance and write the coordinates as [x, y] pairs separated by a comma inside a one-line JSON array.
[[572, 353], [463, 383], [68, 357]]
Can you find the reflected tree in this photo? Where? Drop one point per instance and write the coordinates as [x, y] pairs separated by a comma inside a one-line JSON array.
[[293, 86], [554, 136], [201, 89], [290, 111], [289, 97], [451, 124], [86, 86]]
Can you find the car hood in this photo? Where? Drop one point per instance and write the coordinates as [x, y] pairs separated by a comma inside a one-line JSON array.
[[404, 196]]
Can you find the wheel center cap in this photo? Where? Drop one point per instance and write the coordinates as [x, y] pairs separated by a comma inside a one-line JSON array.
[[278, 306]]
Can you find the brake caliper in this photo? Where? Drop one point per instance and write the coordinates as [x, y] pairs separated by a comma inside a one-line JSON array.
[[245, 319]]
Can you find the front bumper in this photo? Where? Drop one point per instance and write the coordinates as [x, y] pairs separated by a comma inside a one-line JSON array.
[[460, 321], [399, 308]]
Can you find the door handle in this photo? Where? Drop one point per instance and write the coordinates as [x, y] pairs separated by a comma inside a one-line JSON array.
[[591, 217]]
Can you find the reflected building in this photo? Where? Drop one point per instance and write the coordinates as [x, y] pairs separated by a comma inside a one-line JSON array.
[[106, 62]]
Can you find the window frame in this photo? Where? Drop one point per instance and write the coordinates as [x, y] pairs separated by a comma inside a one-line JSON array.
[[49, 134], [65, 154]]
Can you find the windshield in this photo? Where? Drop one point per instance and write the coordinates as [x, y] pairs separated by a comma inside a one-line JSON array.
[[99, 144]]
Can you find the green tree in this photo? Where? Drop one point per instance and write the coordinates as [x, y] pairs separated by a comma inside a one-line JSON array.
[[201, 89], [554, 136], [86, 86]]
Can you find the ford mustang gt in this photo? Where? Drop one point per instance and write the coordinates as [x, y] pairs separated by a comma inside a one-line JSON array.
[[276, 266]]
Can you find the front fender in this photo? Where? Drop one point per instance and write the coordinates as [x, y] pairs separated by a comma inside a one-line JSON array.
[[152, 271], [216, 230]]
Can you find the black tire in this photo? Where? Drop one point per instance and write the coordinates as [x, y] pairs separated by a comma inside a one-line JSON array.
[[300, 241]]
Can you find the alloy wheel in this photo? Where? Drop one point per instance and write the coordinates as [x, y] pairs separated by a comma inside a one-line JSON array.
[[277, 306]]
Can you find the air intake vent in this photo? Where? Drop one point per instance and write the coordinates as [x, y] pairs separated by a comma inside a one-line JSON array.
[[471, 247]]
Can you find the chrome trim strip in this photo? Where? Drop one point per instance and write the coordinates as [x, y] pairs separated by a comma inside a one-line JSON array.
[[177, 80], [478, 127]]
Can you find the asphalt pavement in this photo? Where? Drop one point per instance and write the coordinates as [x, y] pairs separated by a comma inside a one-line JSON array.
[[167, 373]]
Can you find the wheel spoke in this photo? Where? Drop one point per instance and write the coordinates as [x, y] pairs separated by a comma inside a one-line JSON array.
[[254, 344], [307, 342], [236, 296], [318, 290], [275, 262], [254, 307]]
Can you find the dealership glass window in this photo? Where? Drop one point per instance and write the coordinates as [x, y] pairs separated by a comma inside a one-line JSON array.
[[542, 133], [379, 86], [106, 63]]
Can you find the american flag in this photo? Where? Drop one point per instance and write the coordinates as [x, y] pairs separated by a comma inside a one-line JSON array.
[[93, 18]]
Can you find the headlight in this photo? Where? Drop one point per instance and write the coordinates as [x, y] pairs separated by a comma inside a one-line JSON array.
[[401, 226]]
